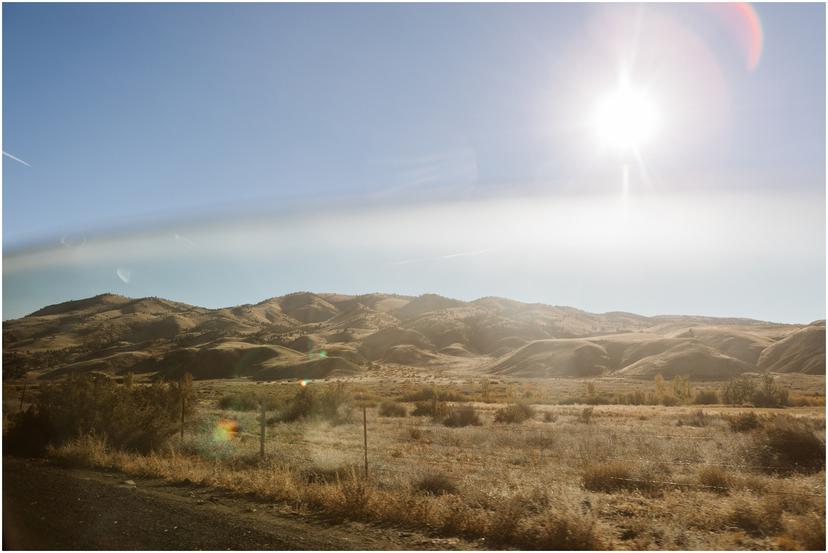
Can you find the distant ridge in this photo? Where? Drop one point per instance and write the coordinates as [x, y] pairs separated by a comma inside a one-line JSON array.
[[329, 334]]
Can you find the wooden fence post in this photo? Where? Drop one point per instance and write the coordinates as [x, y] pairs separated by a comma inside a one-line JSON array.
[[23, 396], [365, 437], [262, 428]]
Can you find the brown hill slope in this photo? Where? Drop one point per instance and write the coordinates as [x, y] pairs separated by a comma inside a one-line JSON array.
[[286, 336], [802, 351]]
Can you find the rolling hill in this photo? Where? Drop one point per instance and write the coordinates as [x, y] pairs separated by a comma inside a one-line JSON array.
[[307, 335]]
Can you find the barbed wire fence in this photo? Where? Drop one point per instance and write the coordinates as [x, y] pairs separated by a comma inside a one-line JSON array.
[[298, 462]]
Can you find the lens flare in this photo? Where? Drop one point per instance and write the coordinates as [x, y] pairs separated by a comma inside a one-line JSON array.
[[745, 27], [323, 354], [225, 430], [304, 382]]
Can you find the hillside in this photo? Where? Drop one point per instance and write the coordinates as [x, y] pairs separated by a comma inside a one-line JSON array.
[[307, 335]]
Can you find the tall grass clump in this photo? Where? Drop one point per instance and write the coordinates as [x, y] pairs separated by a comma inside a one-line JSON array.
[[514, 413]]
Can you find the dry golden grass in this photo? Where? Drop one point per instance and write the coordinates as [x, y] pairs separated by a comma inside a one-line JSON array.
[[533, 485]]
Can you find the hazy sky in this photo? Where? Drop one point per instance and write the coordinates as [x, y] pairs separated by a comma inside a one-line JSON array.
[[222, 154]]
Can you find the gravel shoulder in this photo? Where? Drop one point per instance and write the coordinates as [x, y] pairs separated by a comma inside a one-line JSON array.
[[46, 506]]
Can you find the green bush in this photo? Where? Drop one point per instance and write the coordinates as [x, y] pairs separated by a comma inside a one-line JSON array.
[[514, 413]]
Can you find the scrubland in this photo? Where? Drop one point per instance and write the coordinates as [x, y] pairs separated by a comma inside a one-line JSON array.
[[516, 468]]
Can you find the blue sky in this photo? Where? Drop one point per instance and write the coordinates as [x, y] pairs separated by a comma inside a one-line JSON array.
[[156, 132]]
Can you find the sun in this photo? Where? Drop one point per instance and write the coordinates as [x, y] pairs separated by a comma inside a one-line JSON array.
[[625, 119]]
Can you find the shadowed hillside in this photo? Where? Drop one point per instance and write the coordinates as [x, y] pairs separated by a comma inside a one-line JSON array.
[[307, 335]]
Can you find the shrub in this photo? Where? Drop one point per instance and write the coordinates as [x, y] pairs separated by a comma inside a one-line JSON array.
[[331, 404], [328, 475], [506, 520], [514, 413], [738, 391], [757, 520], [433, 408], [744, 422], [706, 397], [430, 393], [586, 415], [805, 532], [29, 434], [436, 483], [392, 409], [134, 418], [788, 444], [238, 402], [716, 478], [550, 417], [565, 531], [697, 419], [769, 394], [462, 416], [608, 477]]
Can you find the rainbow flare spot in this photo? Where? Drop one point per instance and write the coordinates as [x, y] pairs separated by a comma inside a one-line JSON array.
[[745, 26], [225, 430], [304, 382]]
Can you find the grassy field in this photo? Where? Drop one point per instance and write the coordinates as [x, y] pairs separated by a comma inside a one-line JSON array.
[[571, 476]]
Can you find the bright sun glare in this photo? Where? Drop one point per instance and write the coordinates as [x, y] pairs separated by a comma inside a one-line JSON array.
[[626, 118]]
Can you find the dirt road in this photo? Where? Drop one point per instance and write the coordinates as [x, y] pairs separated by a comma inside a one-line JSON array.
[[50, 507]]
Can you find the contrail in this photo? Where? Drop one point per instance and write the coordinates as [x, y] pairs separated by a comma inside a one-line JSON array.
[[17, 159]]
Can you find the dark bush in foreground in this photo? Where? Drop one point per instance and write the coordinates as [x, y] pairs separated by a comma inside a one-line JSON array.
[[392, 409], [133, 418], [514, 413], [744, 422], [787, 444], [237, 402], [29, 434], [462, 416], [436, 483]]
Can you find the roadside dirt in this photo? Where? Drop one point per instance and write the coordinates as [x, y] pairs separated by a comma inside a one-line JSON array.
[[46, 506]]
